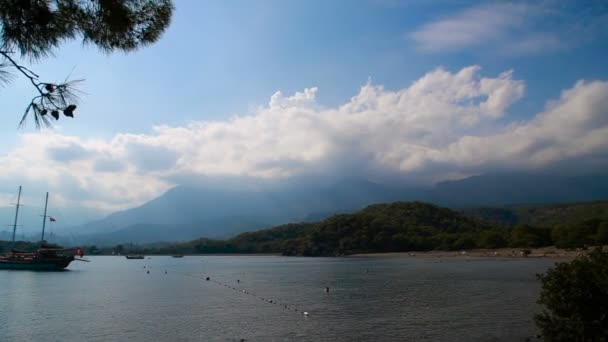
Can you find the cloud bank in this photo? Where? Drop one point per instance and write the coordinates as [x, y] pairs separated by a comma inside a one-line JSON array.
[[444, 125]]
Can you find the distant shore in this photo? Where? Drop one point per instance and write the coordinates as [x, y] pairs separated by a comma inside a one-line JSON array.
[[531, 253], [544, 252]]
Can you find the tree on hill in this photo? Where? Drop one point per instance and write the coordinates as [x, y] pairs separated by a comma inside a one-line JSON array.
[[492, 239], [32, 29], [575, 299], [524, 235], [588, 232], [602, 233]]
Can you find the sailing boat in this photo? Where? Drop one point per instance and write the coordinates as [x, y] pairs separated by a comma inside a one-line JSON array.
[[45, 257]]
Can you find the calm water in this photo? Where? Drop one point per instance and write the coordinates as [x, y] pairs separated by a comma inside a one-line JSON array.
[[399, 299]]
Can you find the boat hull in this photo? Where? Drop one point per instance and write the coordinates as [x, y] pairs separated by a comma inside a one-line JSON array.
[[43, 259], [34, 266]]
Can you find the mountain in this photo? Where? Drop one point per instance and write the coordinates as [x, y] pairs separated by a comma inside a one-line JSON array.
[[520, 188], [184, 213], [150, 233]]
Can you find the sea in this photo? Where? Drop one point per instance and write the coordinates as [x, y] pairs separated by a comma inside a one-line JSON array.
[[274, 298]]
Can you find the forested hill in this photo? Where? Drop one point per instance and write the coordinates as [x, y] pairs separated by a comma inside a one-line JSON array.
[[399, 226], [411, 226], [543, 215]]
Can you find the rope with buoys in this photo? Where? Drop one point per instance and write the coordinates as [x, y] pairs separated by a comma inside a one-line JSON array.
[[207, 278]]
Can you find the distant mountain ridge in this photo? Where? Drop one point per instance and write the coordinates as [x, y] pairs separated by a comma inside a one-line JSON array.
[[503, 189], [185, 213]]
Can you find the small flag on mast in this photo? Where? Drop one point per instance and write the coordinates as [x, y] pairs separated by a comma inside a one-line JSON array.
[[52, 219]]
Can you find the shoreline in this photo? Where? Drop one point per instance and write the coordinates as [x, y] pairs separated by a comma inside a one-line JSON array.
[[544, 252], [551, 252]]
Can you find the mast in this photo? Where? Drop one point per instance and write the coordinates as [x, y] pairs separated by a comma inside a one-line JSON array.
[[46, 202], [16, 214]]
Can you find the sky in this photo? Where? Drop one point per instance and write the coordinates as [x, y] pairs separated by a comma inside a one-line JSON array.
[[404, 91]]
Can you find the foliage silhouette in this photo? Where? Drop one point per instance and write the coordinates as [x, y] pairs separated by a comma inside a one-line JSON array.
[[575, 299]]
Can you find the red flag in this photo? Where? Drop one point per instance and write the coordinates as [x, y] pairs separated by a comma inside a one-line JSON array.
[[52, 219]]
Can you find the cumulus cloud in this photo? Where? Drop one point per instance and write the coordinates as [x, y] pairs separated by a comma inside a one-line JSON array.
[[69, 152], [575, 125], [147, 156], [109, 165], [443, 125]]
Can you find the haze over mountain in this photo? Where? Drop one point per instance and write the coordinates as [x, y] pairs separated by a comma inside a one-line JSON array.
[[186, 212], [30, 218]]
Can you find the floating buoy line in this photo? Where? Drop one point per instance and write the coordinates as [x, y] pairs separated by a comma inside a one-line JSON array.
[[242, 291]]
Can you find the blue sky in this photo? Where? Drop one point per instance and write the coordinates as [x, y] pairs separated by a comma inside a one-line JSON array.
[[222, 60], [219, 58]]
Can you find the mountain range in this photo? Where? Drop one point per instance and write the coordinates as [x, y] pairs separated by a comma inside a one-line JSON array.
[[188, 212]]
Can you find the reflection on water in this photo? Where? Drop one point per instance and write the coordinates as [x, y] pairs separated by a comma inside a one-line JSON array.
[[370, 299]]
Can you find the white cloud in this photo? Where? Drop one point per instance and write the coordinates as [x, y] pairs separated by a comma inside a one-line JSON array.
[[575, 125], [512, 28], [444, 124], [470, 28]]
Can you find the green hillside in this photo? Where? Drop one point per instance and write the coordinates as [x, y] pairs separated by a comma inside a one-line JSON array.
[[543, 215], [413, 226], [570, 225], [400, 226]]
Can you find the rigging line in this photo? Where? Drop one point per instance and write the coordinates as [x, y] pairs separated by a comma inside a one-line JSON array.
[[282, 304]]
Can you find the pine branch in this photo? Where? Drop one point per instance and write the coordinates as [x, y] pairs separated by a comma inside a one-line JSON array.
[[53, 98]]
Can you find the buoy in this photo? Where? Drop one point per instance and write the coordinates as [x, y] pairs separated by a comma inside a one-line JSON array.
[[148, 272], [326, 289]]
